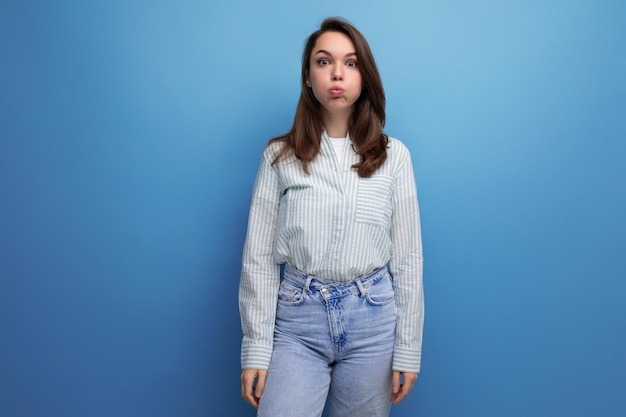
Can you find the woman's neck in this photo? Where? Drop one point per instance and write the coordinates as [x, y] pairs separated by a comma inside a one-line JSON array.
[[336, 125]]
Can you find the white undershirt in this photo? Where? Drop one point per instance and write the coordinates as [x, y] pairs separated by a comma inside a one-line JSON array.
[[339, 145]]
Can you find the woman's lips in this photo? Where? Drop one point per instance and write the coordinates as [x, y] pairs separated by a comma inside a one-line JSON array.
[[336, 91]]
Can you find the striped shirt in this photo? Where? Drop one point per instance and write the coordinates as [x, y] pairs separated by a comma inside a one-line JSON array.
[[338, 226]]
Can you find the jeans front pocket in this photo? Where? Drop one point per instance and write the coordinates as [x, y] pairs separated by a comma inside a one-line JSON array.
[[381, 292], [290, 294]]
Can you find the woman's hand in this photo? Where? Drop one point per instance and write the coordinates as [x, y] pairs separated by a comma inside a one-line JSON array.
[[251, 391], [399, 391]]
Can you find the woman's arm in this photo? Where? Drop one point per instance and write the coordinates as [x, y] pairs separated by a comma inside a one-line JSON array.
[[406, 265], [260, 275]]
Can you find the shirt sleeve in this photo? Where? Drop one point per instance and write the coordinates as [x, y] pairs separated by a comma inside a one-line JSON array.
[[260, 274], [406, 268]]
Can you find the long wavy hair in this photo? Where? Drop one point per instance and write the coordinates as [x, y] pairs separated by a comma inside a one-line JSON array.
[[368, 117]]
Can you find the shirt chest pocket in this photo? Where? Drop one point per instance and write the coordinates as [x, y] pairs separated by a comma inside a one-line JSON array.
[[374, 200]]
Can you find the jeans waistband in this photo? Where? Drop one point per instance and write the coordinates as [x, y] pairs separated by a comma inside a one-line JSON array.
[[313, 283]]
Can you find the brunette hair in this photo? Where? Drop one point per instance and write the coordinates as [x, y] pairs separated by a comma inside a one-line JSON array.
[[368, 117]]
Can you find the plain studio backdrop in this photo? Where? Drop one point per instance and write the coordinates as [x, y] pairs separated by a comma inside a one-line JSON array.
[[130, 136]]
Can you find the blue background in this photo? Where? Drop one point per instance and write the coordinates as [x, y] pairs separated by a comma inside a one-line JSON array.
[[130, 137]]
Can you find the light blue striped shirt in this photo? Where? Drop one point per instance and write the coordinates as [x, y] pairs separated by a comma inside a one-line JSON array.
[[338, 226]]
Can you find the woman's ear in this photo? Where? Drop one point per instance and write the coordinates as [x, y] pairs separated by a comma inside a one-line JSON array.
[[308, 82]]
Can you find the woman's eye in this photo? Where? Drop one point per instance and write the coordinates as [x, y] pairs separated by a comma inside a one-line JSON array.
[[323, 61], [351, 63]]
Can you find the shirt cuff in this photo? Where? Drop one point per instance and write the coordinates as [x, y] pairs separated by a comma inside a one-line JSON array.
[[406, 359], [255, 357]]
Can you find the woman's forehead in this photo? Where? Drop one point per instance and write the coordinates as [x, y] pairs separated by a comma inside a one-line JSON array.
[[334, 43]]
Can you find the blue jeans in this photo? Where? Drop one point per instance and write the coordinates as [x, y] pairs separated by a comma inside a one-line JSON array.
[[331, 341]]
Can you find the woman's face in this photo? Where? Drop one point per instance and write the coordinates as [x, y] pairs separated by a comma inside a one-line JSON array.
[[334, 75]]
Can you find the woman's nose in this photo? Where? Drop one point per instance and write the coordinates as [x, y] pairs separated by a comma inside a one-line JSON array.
[[337, 74]]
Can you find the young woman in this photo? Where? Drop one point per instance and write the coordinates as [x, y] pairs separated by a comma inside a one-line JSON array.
[[335, 202]]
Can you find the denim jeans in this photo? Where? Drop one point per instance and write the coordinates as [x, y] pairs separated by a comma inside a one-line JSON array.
[[331, 342]]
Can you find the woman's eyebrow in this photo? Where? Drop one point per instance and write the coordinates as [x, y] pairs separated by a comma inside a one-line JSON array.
[[323, 51]]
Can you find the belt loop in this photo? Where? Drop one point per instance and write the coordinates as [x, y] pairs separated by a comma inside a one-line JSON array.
[[307, 284], [362, 289]]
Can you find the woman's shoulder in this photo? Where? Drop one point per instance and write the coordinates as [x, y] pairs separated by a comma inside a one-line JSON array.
[[277, 151], [272, 148], [396, 149]]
